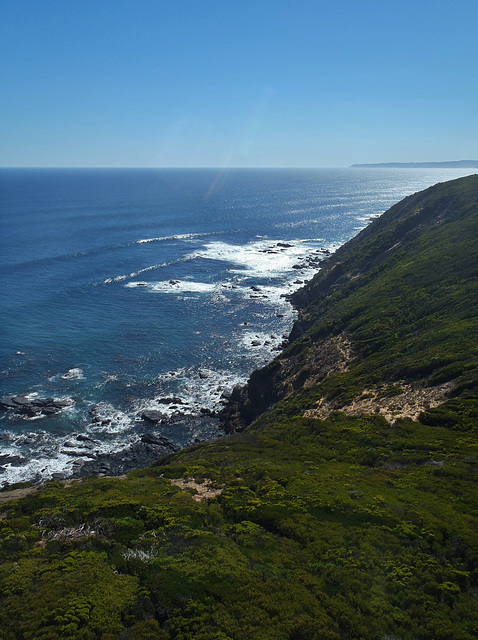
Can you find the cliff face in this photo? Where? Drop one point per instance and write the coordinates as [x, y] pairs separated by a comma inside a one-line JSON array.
[[376, 313]]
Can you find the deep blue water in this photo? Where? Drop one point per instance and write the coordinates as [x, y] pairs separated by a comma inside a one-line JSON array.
[[121, 287]]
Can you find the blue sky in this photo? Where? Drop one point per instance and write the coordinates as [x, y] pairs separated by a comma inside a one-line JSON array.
[[212, 83]]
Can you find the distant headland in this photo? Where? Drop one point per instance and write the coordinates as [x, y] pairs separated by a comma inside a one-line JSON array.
[[455, 164]]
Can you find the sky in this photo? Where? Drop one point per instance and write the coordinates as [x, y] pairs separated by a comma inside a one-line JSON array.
[[237, 83]]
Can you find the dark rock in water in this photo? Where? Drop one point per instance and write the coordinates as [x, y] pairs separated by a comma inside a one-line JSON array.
[[49, 411], [149, 449], [7, 403], [285, 245], [207, 412], [34, 406], [203, 374], [43, 402], [22, 400], [15, 460], [135, 456], [256, 343], [254, 288], [151, 438], [153, 416], [82, 438], [170, 400], [61, 404], [72, 452]]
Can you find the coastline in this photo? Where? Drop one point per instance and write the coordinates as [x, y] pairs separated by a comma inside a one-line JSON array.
[[241, 281], [164, 416], [302, 514]]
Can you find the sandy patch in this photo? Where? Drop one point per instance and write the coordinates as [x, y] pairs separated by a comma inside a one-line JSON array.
[[204, 490], [409, 403]]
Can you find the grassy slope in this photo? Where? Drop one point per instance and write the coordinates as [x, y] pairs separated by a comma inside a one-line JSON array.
[[344, 528], [403, 292]]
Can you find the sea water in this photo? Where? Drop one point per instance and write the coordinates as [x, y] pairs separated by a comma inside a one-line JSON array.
[[128, 290]]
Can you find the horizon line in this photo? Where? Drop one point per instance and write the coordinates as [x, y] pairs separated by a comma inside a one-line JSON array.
[[216, 168], [222, 168]]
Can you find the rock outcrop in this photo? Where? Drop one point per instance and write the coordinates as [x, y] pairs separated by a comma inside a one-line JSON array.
[[33, 406]]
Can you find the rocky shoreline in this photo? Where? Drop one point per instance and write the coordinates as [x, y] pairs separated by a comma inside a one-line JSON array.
[[167, 424], [147, 441]]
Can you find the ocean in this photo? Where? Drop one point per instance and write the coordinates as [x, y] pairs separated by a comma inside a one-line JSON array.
[[134, 300]]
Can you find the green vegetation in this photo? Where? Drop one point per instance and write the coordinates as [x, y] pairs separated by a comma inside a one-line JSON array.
[[404, 293], [337, 528]]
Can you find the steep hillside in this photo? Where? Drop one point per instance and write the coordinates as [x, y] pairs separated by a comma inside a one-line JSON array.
[[391, 314], [345, 510]]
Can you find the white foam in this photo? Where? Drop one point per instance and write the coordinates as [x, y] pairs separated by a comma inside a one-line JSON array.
[[262, 258], [43, 455], [55, 457], [270, 295], [180, 236], [133, 274], [196, 389], [183, 286], [110, 420], [175, 286], [38, 469], [73, 374], [107, 378], [46, 458]]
